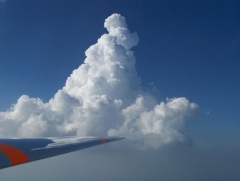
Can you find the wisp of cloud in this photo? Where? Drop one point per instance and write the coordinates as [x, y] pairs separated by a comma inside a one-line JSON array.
[[104, 96]]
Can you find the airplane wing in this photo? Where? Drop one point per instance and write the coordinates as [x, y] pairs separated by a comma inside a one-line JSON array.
[[17, 151]]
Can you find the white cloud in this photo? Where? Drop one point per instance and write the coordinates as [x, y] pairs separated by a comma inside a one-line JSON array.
[[102, 97], [155, 127]]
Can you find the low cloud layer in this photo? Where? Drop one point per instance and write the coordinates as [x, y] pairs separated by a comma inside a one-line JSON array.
[[103, 97]]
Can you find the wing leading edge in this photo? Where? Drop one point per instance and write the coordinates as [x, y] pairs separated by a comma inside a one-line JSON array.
[[18, 151]]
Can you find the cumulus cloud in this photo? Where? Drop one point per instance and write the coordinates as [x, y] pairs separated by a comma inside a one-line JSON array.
[[103, 96]]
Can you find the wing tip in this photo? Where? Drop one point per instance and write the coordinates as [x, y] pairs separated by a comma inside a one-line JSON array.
[[111, 139]]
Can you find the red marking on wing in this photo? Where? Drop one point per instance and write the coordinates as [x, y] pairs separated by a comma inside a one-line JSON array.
[[102, 140], [14, 154]]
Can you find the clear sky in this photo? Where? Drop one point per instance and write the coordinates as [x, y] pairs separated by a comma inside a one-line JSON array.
[[186, 49]]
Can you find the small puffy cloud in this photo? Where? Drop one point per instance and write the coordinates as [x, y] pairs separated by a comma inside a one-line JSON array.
[[3, 2], [103, 97], [158, 126], [117, 27]]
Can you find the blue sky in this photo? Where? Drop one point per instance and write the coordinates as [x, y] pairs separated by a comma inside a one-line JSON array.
[[186, 48]]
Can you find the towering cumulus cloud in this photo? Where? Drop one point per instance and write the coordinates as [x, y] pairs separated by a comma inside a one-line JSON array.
[[102, 97]]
